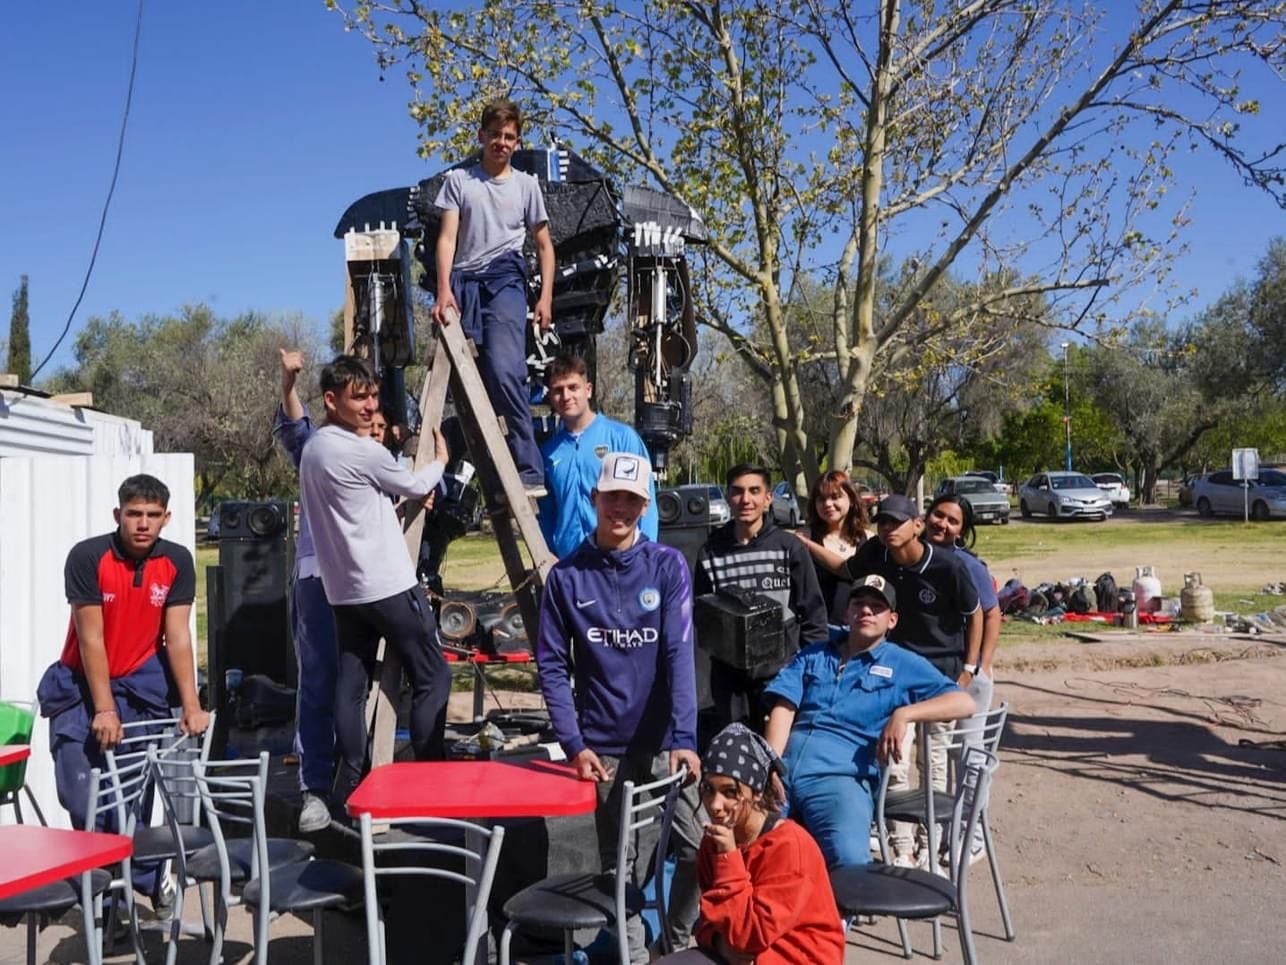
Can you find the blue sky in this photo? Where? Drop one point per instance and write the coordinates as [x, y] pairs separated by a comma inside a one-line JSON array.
[[254, 124]]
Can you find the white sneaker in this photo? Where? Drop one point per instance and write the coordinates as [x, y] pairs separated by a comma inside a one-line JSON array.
[[315, 815]]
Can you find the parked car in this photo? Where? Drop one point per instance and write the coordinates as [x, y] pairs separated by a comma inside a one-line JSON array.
[[785, 507], [988, 505], [1063, 495], [1114, 485], [720, 511], [1219, 493], [997, 483]]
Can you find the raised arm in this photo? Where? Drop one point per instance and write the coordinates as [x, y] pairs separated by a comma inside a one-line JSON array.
[[292, 363]]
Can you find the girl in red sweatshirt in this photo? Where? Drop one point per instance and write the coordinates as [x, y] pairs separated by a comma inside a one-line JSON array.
[[765, 893]]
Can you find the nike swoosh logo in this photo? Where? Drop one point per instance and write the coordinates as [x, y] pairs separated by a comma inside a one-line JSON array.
[[581, 604]]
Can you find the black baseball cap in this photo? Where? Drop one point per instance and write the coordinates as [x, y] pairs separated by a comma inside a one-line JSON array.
[[897, 507], [875, 585]]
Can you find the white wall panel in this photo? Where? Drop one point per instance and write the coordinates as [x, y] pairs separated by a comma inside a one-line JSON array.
[[47, 505]]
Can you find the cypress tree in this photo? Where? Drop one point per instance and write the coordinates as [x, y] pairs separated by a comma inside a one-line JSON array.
[[20, 336]]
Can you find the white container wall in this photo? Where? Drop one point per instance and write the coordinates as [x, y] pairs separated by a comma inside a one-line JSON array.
[[47, 504]]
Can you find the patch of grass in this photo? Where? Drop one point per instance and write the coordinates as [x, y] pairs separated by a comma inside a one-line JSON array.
[[1040, 537], [1247, 601], [206, 556]]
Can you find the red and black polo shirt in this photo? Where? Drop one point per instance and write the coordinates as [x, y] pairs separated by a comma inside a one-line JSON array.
[[134, 595]]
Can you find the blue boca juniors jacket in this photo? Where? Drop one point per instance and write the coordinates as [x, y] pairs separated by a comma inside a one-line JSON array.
[[620, 625], [572, 465]]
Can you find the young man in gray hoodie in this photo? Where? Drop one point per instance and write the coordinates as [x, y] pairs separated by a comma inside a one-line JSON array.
[[345, 480]]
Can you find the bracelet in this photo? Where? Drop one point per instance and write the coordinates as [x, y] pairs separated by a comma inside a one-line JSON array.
[[99, 713]]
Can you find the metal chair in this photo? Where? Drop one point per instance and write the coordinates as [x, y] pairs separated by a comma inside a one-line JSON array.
[[480, 854], [916, 805], [276, 874], [881, 889], [575, 901], [17, 721]]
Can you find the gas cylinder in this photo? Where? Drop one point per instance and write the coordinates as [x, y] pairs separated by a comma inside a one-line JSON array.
[[1196, 600], [1147, 589]]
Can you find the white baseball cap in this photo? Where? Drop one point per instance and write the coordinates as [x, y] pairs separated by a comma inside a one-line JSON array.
[[625, 472]]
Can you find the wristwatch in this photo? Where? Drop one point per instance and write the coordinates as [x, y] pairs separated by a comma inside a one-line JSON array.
[[971, 669]]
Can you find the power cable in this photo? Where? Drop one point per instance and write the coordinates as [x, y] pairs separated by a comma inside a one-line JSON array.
[[111, 190]]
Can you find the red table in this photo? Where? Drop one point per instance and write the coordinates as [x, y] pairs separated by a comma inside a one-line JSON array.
[[33, 855], [472, 789], [13, 753]]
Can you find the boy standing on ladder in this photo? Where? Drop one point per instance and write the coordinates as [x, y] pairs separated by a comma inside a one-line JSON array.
[[487, 210]]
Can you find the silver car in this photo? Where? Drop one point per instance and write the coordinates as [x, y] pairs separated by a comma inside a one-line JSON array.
[[1063, 495], [720, 511], [987, 505], [785, 507], [1218, 492]]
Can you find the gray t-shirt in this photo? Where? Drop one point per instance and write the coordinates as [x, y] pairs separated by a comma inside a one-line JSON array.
[[495, 213], [344, 486]]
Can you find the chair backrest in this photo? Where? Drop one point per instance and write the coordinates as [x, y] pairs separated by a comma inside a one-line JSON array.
[[480, 852], [981, 730], [17, 722], [232, 792], [174, 776], [644, 806], [977, 766]]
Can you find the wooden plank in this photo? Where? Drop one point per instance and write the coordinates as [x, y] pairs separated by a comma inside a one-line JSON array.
[[526, 581], [74, 399], [483, 417]]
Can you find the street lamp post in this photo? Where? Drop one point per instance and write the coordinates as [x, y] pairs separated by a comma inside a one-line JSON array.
[[1067, 410]]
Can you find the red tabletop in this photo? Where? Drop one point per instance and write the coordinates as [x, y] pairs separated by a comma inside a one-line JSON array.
[[31, 855], [13, 753], [472, 789]]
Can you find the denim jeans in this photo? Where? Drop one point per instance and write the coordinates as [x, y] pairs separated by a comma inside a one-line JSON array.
[[837, 813]]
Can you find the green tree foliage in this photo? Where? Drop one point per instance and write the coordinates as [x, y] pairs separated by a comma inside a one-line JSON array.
[[202, 384], [20, 336], [808, 133]]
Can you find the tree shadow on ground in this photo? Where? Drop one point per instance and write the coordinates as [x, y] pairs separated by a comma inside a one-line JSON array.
[[1183, 759]]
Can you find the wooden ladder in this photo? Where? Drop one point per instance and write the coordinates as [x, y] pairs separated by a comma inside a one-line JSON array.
[[512, 515]]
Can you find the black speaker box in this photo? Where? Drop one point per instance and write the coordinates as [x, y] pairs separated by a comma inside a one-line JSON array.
[[685, 524], [248, 624]]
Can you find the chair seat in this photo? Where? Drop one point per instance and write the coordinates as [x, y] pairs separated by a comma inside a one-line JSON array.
[[58, 896], [309, 885], [877, 889], [908, 805], [204, 865], [570, 902], [157, 843]]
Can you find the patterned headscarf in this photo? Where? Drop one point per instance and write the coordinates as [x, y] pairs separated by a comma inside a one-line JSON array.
[[740, 753]]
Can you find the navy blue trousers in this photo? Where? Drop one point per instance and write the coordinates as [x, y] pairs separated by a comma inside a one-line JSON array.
[[493, 312], [313, 626]]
